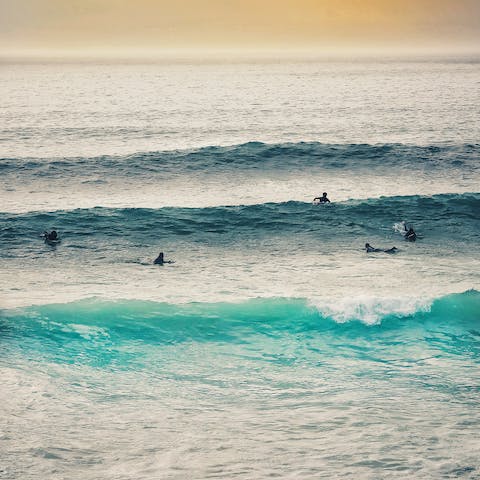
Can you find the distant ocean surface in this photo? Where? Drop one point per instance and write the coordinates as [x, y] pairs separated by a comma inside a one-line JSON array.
[[274, 346]]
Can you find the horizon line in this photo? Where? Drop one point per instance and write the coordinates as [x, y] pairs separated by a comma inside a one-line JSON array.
[[232, 54]]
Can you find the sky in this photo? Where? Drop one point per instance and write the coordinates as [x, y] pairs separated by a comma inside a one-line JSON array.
[[124, 27]]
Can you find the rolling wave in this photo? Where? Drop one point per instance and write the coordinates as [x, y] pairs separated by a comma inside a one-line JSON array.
[[253, 155], [449, 215], [94, 327]]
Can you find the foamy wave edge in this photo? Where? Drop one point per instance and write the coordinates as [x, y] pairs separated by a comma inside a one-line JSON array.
[[367, 309]]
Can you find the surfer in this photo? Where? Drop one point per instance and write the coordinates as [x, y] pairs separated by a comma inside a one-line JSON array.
[[410, 235], [322, 199], [51, 237], [371, 249], [160, 260]]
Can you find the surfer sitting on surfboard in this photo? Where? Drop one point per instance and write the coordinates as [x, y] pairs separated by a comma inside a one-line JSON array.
[[160, 260], [322, 199]]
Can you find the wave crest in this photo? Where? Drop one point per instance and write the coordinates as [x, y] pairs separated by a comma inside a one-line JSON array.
[[255, 155], [352, 218], [282, 313]]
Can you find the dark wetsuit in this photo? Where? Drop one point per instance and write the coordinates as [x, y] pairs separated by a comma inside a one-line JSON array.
[[51, 237], [410, 236], [370, 249]]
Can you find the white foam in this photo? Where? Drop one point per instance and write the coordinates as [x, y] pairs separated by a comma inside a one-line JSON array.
[[371, 309]]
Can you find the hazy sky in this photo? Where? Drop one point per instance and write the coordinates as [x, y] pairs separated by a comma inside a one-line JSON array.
[[318, 25]]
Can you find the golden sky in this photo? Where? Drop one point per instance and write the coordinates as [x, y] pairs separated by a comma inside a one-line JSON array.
[[317, 25]]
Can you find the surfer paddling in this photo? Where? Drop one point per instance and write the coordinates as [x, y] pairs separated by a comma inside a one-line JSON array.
[[370, 249]]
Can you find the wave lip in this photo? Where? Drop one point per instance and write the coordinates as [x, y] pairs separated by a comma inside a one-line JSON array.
[[285, 312], [133, 334]]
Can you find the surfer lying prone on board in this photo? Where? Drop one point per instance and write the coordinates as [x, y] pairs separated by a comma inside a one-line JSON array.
[[161, 261], [370, 249]]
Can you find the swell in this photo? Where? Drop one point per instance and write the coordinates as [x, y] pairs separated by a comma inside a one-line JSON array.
[[448, 215], [138, 335], [252, 155], [164, 323]]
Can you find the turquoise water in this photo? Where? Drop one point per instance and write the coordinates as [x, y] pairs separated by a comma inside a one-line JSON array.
[[299, 393], [105, 334], [274, 345]]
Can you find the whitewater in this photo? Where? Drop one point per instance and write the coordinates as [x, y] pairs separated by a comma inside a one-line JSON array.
[[274, 346]]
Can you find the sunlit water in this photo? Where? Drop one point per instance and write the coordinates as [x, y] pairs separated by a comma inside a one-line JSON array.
[[274, 346]]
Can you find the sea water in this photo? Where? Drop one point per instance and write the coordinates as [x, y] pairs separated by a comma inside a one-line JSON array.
[[274, 346]]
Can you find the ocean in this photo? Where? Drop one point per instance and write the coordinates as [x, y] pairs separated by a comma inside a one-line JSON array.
[[274, 346]]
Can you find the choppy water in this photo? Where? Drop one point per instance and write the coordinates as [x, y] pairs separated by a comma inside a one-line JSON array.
[[273, 346]]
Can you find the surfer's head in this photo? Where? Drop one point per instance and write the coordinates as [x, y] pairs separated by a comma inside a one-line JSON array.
[[324, 194]]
